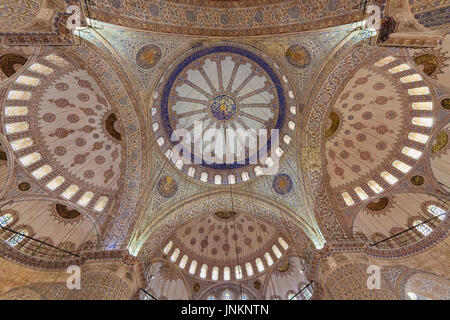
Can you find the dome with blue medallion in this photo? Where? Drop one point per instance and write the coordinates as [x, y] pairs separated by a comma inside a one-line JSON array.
[[235, 90]]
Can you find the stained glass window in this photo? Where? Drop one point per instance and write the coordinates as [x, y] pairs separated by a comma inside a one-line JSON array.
[[211, 297], [16, 111], [411, 78], [384, 61], [400, 68], [55, 183], [30, 159], [411, 152], [307, 294], [276, 251], [16, 127], [259, 265], [416, 296], [39, 68], [421, 121], [56, 60], [203, 271], [28, 81], [191, 172], [283, 243], [70, 191], [21, 144], [19, 95], [238, 272], [249, 269], [361, 193], [419, 91], [422, 105], [42, 171], [268, 258], [183, 261], [175, 255], [418, 137], [215, 273], [389, 177], [85, 199], [6, 219], [403, 167]]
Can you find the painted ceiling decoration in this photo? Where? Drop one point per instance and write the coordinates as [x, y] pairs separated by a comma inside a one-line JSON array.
[[227, 87]]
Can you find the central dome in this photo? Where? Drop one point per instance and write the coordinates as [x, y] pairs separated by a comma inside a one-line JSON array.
[[218, 108]]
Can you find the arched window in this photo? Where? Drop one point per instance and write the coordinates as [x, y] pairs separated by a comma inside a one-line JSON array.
[[244, 296], [423, 228], [238, 272], [183, 261], [17, 238], [215, 273], [6, 219], [193, 267], [268, 259], [412, 296], [276, 251], [227, 295], [437, 211], [283, 243], [175, 255], [226, 274], [249, 269]]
